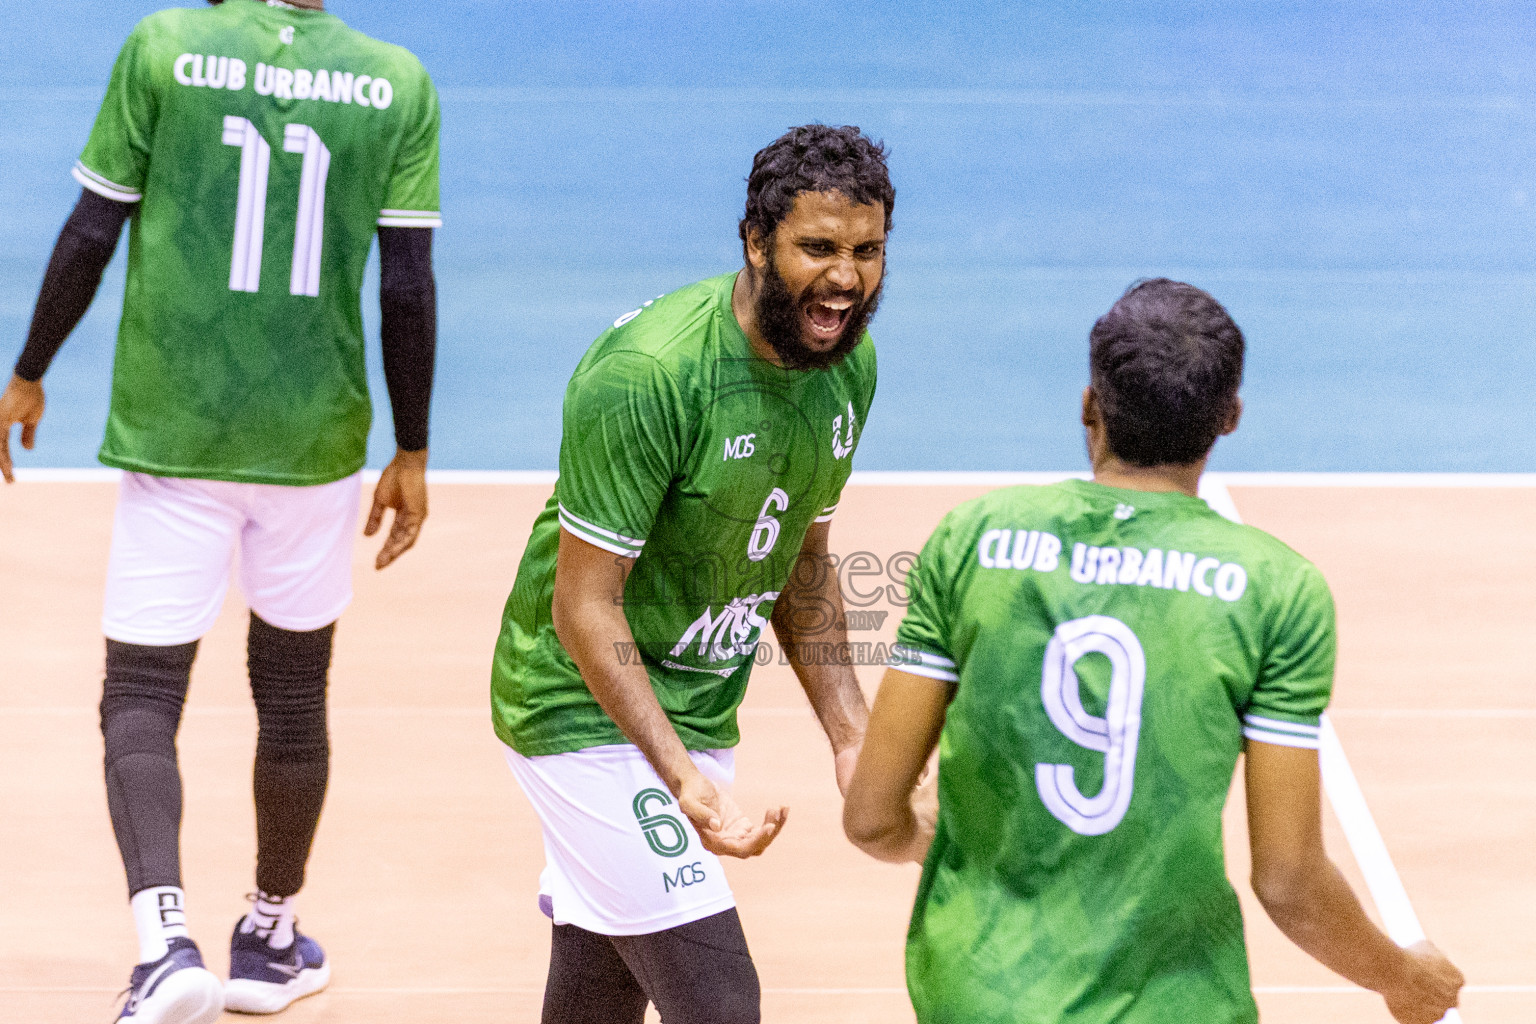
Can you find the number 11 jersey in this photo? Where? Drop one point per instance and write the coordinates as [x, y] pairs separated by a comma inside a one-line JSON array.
[[1111, 649], [263, 144]]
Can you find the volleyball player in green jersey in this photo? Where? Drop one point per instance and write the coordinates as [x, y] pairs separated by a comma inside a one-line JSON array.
[[255, 149], [707, 437], [1090, 658]]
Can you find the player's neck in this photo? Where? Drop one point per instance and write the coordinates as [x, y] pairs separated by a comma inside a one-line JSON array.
[[1112, 471], [306, 5]]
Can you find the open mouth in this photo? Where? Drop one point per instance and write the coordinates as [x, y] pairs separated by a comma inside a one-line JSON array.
[[827, 317]]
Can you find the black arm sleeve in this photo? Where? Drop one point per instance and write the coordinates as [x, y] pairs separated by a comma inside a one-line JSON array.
[[83, 250], [408, 310]]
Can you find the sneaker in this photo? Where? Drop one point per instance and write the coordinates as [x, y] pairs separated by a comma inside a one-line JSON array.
[[266, 980], [176, 989]]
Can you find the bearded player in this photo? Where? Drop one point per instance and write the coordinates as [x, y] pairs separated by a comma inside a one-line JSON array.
[[254, 149], [707, 437], [1090, 658]]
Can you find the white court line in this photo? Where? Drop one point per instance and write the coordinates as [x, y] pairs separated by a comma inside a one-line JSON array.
[[923, 478], [1283, 990], [1349, 806]]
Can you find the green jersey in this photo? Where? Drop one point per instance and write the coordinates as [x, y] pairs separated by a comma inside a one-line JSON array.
[[704, 463], [262, 144], [1110, 651]]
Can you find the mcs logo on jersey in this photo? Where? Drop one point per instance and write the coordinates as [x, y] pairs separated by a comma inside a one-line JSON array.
[[730, 634]]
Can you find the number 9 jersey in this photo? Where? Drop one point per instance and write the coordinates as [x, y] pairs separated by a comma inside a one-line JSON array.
[[1110, 651], [263, 144]]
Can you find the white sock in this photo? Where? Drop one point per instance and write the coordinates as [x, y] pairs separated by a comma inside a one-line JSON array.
[[159, 914], [271, 917]]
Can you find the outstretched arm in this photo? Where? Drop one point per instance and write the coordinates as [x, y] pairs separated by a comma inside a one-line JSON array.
[[1309, 900], [808, 614], [878, 814], [408, 313], [80, 256], [588, 613]]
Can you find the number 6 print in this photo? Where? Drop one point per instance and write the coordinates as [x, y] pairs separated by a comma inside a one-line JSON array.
[[765, 532], [1114, 735]]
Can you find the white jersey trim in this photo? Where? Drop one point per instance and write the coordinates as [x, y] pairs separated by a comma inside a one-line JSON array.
[[102, 187], [1279, 725], [826, 514], [1282, 739], [921, 663], [410, 219], [595, 535]]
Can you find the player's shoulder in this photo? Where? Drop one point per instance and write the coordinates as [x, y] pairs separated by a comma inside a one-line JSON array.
[[675, 330]]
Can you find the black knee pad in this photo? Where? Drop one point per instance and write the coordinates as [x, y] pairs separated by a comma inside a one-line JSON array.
[[147, 678], [142, 699], [289, 673]]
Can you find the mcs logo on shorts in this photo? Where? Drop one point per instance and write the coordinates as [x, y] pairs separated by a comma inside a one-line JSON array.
[[663, 833]]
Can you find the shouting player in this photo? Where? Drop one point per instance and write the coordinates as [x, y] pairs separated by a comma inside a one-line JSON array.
[[253, 148], [1090, 659], [707, 437]]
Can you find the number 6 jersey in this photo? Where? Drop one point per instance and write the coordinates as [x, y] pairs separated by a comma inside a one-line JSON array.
[[1110, 651], [262, 144]]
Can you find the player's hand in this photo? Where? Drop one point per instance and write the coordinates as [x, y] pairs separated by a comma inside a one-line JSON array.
[[1430, 986], [22, 402], [402, 487], [724, 829]]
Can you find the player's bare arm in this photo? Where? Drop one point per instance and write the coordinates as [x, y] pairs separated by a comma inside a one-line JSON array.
[[1309, 900], [886, 814], [810, 611], [588, 613]]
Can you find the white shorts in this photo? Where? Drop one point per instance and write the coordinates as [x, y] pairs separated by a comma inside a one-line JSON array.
[[173, 541], [620, 857]]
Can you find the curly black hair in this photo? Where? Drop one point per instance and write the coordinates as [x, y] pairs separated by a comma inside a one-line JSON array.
[[814, 158], [1166, 362]]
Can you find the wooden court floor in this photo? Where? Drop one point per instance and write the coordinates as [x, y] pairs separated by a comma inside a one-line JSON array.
[[423, 878]]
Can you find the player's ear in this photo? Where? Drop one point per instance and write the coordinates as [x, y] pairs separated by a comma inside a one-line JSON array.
[[1234, 415], [757, 248], [1091, 413]]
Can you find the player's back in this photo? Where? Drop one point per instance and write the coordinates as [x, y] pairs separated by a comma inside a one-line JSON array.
[[1111, 649], [263, 145]]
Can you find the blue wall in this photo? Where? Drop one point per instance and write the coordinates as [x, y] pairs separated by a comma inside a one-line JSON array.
[[1355, 181]]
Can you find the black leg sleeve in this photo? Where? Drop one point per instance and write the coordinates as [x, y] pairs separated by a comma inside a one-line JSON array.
[[141, 706], [697, 973], [289, 671], [588, 982]]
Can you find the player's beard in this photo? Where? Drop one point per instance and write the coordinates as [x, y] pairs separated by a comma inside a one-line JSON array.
[[778, 317]]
